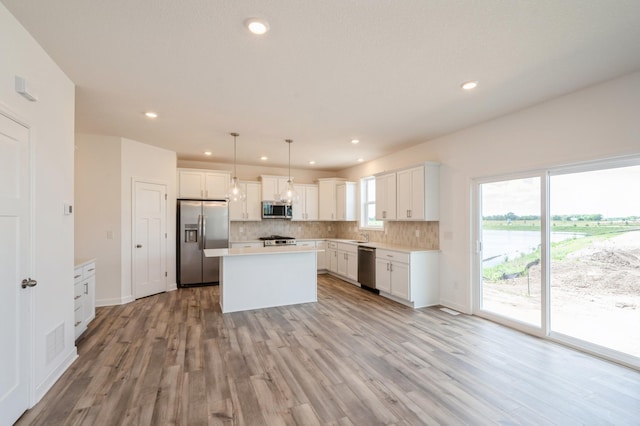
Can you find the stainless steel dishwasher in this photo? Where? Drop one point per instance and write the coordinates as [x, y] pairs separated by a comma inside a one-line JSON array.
[[367, 268]]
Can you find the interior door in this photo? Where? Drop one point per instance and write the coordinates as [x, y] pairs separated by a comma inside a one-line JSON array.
[[15, 254], [150, 242]]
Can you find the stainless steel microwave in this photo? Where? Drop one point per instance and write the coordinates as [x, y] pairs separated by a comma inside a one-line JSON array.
[[276, 210]]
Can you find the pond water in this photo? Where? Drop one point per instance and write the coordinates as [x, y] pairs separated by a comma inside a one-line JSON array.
[[499, 246]]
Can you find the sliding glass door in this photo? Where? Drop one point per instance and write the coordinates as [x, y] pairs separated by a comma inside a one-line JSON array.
[[510, 244], [595, 272], [558, 255]]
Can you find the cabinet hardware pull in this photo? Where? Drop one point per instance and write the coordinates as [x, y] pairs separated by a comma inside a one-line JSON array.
[[86, 288], [77, 323], [77, 297], [76, 276]]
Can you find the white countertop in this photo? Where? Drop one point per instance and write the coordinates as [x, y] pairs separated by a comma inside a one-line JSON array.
[[385, 246], [82, 262], [251, 251]]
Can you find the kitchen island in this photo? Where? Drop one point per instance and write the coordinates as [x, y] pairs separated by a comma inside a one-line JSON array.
[[264, 277]]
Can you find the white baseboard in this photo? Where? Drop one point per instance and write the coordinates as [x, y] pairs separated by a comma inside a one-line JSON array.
[[42, 388], [172, 287], [456, 306], [114, 301]]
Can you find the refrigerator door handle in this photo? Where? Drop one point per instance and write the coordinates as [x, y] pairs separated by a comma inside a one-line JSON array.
[[200, 231], [204, 232]]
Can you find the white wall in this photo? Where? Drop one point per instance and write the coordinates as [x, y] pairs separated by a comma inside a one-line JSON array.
[[105, 169], [98, 211], [601, 121], [51, 123], [146, 162]]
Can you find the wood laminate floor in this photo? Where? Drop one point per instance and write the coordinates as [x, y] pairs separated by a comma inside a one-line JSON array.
[[353, 358]]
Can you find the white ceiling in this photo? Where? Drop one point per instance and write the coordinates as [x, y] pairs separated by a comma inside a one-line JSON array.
[[385, 72]]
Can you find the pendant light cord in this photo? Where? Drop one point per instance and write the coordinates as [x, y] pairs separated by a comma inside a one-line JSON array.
[[235, 154]]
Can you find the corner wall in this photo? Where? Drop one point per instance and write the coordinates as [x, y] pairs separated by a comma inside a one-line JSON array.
[[598, 122], [51, 124]]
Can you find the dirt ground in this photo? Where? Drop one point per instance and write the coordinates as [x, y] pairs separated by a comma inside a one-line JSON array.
[[595, 294]]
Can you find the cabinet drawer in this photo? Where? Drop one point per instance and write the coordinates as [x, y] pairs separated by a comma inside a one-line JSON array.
[[306, 244], [349, 248], [78, 293], [77, 275], [88, 270], [392, 255], [78, 317], [332, 245]]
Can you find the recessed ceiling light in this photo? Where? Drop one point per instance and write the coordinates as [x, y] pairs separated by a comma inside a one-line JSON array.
[[264, 158], [151, 114], [312, 162], [256, 26], [360, 160], [207, 153], [469, 85], [355, 141]]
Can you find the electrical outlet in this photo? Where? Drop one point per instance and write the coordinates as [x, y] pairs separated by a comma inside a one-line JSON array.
[[109, 235], [417, 233], [241, 229]]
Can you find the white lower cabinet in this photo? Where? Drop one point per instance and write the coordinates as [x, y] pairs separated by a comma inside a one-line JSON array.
[[348, 261], [408, 277], [84, 296], [322, 255], [332, 257], [342, 260]]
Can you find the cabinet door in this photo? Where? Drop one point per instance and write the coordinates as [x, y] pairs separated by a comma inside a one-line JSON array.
[[342, 263], [311, 203], [404, 194], [322, 255], [190, 184], [269, 188], [333, 260], [298, 207], [410, 193], [352, 266], [383, 275], [400, 280], [216, 185], [386, 197], [341, 198], [237, 209], [327, 200], [89, 299], [253, 203]]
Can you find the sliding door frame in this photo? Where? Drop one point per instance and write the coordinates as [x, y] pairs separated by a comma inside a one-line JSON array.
[[544, 331]]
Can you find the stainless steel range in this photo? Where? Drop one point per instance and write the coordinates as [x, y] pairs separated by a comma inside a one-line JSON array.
[[278, 240]]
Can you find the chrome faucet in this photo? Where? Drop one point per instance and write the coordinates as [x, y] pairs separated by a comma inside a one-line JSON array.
[[366, 236]]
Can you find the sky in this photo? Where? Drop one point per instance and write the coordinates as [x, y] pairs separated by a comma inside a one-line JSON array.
[[610, 192]]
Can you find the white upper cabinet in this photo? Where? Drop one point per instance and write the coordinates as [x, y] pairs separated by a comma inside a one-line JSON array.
[[337, 200], [306, 207], [417, 193], [327, 199], [203, 184], [409, 194], [386, 197], [346, 201], [251, 208], [272, 186]]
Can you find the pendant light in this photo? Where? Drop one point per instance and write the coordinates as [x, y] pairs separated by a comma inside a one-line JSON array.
[[289, 195], [235, 190]]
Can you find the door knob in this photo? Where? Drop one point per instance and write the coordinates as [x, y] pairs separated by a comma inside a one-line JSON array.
[[138, 245], [29, 283]]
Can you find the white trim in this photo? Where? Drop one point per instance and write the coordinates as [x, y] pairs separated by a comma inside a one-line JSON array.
[[135, 180], [54, 375], [114, 301]]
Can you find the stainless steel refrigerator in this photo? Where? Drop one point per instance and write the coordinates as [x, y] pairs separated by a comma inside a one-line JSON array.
[[201, 225]]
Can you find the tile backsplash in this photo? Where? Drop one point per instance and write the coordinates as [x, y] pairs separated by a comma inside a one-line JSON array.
[[398, 233]]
